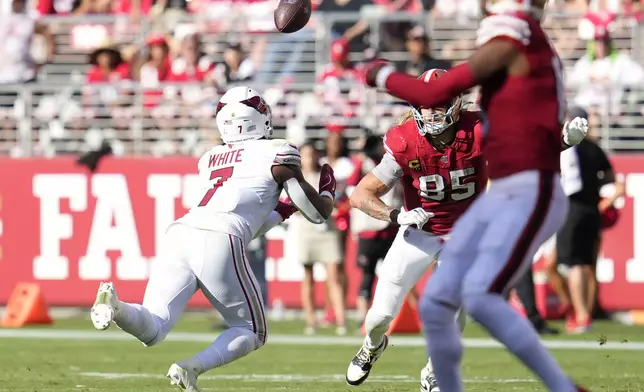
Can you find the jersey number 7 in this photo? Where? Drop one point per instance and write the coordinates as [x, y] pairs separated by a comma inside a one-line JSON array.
[[219, 176], [433, 187]]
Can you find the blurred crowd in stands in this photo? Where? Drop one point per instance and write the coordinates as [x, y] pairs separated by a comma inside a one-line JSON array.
[[146, 74]]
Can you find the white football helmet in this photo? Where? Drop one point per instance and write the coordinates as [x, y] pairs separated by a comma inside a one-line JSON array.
[[503, 6], [242, 114], [441, 118]]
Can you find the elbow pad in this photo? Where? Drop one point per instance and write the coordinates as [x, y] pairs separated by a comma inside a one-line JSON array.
[[303, 204]]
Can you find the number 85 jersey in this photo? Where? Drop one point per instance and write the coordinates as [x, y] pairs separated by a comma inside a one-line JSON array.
[[444, 182], [237, 191]]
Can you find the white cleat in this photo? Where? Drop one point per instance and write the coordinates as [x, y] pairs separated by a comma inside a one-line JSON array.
[[183, 377], [428, 382], [102, 313], [361, 365]]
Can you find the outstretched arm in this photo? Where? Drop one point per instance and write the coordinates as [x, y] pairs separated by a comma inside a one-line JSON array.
[[499, 40], [488, 59]]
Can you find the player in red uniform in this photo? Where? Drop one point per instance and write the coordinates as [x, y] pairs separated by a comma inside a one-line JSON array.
[[522, 98], [436, 155]]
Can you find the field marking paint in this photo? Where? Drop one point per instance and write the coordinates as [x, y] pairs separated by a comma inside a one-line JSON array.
[[297, 378], [403, 341]]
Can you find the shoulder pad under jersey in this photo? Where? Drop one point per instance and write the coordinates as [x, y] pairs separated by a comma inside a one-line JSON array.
[[394, 141], [286, 153], [503, 26]]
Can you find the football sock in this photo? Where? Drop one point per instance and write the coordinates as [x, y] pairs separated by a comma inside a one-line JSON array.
[[443, 341], [230, 345], [518, 335], [138, 322]]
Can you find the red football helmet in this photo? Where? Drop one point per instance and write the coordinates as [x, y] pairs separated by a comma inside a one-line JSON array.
[[502, 6], [436, 120]]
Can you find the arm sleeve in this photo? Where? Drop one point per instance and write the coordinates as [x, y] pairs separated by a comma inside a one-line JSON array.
[[287, 154], [388, 171]]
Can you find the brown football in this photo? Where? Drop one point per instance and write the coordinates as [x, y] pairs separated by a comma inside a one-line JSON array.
[[291, 15]]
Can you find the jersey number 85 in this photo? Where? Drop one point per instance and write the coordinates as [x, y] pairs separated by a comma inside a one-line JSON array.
[[433, 187]]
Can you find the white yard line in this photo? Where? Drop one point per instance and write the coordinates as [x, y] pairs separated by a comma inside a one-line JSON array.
[[405, 341], [296, 378]]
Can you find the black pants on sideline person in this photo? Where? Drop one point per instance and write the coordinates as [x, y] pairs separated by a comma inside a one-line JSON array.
[[525, 292]]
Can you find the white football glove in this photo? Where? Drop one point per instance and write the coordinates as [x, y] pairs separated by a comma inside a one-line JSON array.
[[575, 131], [417, 216]]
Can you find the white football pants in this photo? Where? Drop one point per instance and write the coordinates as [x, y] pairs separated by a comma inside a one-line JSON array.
[[412, 253], [192, 259]]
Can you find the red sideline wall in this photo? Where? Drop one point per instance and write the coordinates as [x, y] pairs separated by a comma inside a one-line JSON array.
[[68, 230]]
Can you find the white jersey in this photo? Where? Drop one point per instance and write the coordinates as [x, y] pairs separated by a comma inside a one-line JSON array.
[[238, 188]]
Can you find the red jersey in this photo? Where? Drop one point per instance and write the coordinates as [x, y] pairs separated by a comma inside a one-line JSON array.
[[523, 115], [442, 182]]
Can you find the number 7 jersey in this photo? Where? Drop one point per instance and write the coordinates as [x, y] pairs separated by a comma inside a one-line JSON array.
[[237, 191], [442, 182]]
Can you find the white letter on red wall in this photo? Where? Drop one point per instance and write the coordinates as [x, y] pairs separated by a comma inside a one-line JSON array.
[[164, 189], [635, 266], [113, 205], [55, 226]]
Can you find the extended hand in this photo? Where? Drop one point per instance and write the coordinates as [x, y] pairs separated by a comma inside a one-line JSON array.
[[575, 131], [417, 216], [285, 209], [327, 180]]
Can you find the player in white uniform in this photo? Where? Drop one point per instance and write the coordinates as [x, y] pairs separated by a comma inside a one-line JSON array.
[[205, 249]]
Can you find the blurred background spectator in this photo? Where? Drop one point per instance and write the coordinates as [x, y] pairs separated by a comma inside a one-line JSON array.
[[339, 83], [420, 57], [585, 169], [318, 244], [337, 155], [236, 67], [374, 236], [17, 31], [603, 74]]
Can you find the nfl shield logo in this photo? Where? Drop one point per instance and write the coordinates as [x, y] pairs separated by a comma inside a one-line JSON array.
[[444, 159]]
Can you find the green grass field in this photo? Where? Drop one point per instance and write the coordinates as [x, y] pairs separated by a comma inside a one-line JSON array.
[[71, 356]]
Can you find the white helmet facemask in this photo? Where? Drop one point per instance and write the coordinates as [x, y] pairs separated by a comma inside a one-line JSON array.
[[242, 114], [438, 120]]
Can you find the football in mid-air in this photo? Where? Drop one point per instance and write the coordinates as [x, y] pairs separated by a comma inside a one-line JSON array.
[[291, 15]]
